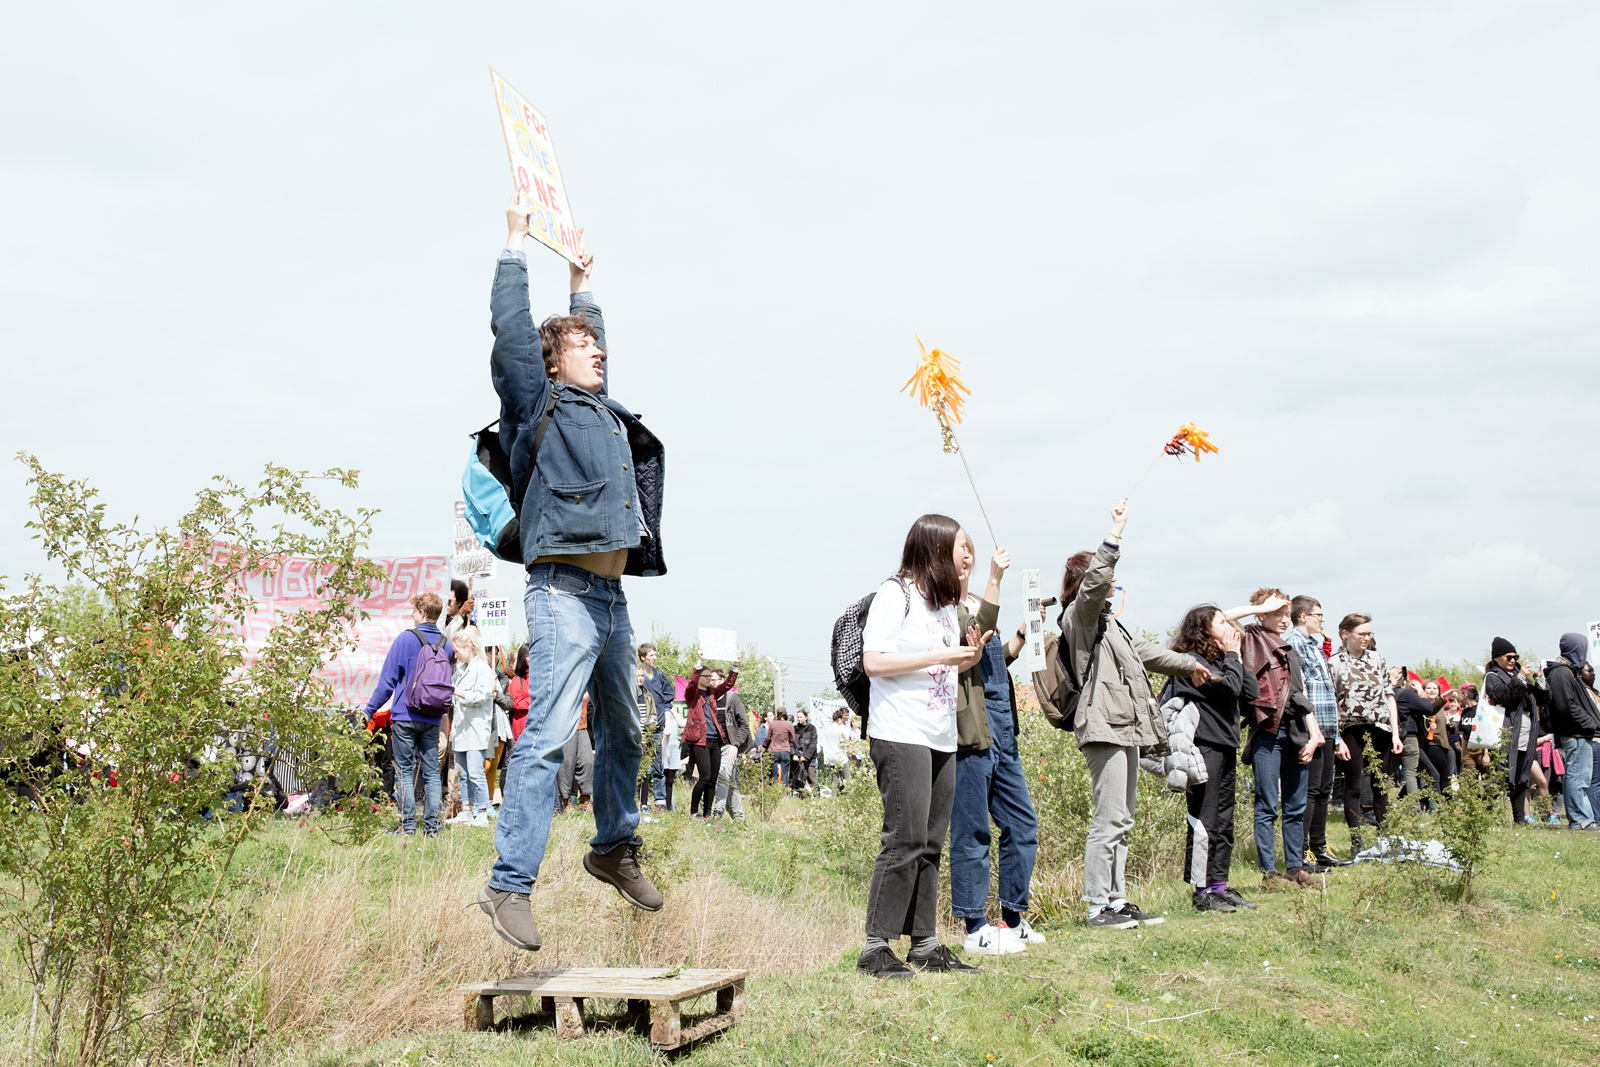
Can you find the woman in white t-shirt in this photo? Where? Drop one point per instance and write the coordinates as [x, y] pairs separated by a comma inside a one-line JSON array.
[[913, 653]]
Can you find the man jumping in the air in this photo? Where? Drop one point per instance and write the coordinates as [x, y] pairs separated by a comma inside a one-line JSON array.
[[589, 477]]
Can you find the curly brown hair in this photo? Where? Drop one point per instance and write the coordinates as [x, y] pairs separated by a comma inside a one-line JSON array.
[[555, 333], [1194, 634]]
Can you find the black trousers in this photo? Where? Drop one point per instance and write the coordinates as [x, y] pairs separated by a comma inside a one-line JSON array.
[[1359, 738], [1522, 781], [1319, 792], [707, 759], [918, 786], [1208, 852]]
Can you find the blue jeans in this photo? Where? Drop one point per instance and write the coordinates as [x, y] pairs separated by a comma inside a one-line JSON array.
[[991, 785], [1594, 781], [1275, 761], [581, 637], [413, 741], [658, 777], [1578, 754], [474, 786], [780, 766]]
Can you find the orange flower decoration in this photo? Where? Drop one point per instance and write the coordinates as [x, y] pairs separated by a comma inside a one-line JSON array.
[[1190, 438], [937, 386]]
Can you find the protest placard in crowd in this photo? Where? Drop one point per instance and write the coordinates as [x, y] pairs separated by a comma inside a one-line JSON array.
[[468, 557], [535, 171], [494, 621], [1034, 624], [718, 644]]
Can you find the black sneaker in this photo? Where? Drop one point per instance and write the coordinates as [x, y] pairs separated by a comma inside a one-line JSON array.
[[1234, 897], [1329, 861], [940, 960], [1131, 909], [1205, 900], [1106, 919], [883, 963]]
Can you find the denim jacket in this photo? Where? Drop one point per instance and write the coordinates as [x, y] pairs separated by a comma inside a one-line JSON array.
[[580, 495]]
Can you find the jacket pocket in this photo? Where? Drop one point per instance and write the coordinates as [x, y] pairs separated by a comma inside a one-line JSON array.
[[575, 514]]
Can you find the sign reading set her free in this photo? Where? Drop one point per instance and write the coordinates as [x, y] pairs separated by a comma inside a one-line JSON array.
[[535, 171]]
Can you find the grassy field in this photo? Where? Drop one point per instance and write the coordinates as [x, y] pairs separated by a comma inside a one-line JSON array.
[[354, 957]]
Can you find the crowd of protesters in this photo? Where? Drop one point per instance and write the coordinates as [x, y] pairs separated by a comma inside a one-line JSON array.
[[564, 724], [1275, 692]]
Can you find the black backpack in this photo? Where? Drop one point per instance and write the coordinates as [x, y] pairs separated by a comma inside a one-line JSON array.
[[849, 673], [1058, 687]]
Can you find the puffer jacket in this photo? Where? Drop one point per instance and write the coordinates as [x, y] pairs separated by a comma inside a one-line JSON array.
[[1118, 706], [1183, 765]]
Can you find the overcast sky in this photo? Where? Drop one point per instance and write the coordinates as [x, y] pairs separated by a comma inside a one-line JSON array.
[[1354, 242]]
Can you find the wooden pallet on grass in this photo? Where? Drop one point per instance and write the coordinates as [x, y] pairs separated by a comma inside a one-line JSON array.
[[654, 995]]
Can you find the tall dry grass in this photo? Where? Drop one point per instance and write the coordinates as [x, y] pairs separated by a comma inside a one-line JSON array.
[[366, 944]]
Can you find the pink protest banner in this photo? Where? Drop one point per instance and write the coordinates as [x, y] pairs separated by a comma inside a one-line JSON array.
[[535, 171], [353, 673]]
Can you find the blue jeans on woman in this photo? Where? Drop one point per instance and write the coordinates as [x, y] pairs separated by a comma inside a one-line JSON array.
[[581, 636], [991, 785], [474, 785], [780, 766], [1275, 762]]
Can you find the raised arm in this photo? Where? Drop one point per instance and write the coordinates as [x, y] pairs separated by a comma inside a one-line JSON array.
[[517, 360], [1095, 589]]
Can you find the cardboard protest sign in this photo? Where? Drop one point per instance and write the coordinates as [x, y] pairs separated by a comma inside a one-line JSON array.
[[1594, 643], [468, 557], [1033, 621], [494, 621], [535, 171], [718, 644]]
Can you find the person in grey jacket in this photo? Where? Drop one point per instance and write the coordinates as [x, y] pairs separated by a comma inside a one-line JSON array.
[[1116, 715], [736, 729]]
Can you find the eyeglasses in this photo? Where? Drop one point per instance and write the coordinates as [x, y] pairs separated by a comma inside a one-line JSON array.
[[1312, 615]]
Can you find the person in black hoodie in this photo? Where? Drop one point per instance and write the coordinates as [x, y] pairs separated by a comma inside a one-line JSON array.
[[1576, 723], [803, 768], [1206, 634], [1520, 699]]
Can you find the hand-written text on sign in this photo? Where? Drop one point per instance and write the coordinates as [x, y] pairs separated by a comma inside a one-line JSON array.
[[1033, 620], [535, 171]]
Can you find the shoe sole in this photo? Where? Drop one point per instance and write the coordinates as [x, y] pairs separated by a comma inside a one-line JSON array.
[[887, 974], [597, 876], [1155, 920], [1129, 925], [488, 909]]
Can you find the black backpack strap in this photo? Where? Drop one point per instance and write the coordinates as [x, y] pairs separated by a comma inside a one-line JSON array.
[[544, 424], [1099, 635], [423, 638]]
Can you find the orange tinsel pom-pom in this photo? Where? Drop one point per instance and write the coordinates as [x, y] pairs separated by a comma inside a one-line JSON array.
[[937, 386], [1190, 438]]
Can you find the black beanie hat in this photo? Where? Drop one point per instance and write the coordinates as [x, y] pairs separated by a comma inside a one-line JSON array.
[[1500, 647]]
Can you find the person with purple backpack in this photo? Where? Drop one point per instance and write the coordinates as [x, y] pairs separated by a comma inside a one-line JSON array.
[[419, 675]]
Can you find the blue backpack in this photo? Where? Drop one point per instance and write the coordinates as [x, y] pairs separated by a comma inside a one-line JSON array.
[[486, 489]]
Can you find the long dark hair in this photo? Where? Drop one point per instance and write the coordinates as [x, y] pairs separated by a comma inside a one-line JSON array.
[[1072, 577], [522, 662], [927, 560], [1194, 633]]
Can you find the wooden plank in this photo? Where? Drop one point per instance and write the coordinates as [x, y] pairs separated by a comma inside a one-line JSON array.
[[704, 1028], [730, 1000], [634, 983], [477, 1012]]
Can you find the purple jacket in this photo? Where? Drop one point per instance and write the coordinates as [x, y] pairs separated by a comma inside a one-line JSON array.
[[396, 666]]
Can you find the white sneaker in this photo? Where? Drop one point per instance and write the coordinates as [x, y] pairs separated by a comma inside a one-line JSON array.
[[480, 819], [1024, 932], [461, 819], [494, 814], [986, 940]]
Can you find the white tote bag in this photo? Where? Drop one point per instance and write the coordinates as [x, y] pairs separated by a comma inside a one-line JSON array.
[[1486, 728]]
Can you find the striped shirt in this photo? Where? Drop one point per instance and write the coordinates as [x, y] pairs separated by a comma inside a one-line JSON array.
[[1319, 683]]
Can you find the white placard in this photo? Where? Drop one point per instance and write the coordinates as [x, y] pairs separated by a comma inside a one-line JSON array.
[[1033, 621], [535, 171], [494, 622], [1594, 645], [718, 644], [468, 557]]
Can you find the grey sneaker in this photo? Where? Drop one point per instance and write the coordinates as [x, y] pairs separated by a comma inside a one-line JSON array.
[[512, 916], [620, 868]]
